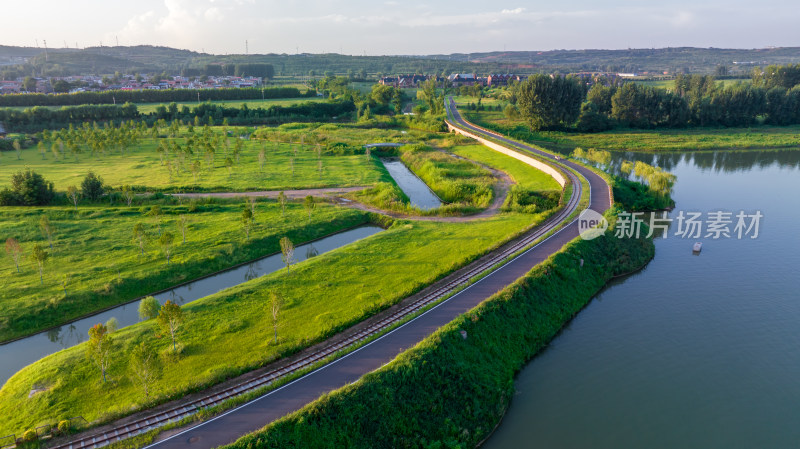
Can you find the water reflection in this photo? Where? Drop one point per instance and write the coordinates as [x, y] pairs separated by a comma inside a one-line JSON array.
[[716, 161]]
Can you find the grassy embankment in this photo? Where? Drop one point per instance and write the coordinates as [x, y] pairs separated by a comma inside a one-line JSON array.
[[141, 166], [359, 280], [94, 251], [534, 190], [689, 139], [451, 391]]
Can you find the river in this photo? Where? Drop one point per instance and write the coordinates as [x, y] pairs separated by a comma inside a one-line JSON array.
[[20, 353], [694, 351]]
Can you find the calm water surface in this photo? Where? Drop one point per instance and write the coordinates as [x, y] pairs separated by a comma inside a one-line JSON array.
[[693, 351], [18, 354], [418, 193]]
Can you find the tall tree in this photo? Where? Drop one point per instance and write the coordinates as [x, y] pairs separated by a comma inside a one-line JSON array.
[[145, 366], [47, 229], [170, 318], [74, 195], [309, 203], [546, 102], [287, 252], [140, 236], [166, 241], [40, 256], [127, 193], [92, 186], [14, 250], [183, 225], [98, 348], [247, 222], [282, 201]]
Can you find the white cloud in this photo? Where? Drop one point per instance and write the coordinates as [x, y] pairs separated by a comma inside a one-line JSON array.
[[513, 11]]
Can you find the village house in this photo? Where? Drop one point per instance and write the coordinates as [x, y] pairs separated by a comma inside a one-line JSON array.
[[462, 79]]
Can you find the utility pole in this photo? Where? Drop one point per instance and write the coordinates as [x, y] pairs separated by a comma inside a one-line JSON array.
[[246, 48], [117, 38], [45, 49]]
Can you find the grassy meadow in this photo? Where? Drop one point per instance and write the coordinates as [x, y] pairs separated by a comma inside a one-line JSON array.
[[286, 166], [95, 252], [147, 108], [322, 296]]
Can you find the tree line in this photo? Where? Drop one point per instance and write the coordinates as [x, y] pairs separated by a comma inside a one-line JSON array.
[[546, 102], [38, 118], [150, 96]]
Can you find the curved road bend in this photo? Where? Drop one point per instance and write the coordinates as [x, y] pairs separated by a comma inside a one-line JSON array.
[[252, 416]]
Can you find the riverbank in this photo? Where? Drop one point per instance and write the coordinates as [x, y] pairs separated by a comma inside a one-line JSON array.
[[452, 388]]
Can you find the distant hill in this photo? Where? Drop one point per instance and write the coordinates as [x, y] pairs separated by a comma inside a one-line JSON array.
[[679, 59], [150, 59]]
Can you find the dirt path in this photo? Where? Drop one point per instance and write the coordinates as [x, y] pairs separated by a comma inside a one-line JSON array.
[[335, 195], [294, 194]]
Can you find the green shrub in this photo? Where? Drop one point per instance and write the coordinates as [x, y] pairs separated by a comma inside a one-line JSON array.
[[30, 436]]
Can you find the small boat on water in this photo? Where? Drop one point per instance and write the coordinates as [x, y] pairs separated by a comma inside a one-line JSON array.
[[697, 247]]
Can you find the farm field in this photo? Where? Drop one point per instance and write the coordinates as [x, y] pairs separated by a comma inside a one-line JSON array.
[[96, 261]]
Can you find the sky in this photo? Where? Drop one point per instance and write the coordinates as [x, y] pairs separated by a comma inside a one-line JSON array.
[[401, 26]]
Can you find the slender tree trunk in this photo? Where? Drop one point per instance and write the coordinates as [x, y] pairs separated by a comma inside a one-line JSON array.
[[276, 334]]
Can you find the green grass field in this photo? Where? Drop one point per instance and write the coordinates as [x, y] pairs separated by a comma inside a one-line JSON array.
[[142, 166], [323, 295], [685, 139], [523, 175], [147, 108], [94, 247]]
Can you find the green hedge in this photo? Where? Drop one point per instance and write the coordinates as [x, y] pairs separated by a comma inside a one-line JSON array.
[[449, 391]]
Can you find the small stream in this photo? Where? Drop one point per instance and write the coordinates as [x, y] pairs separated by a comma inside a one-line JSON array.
[[419, 194], [20, 353]]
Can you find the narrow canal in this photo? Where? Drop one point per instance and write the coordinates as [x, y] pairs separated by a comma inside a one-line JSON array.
[[418, 193], [20, 353], [695, 351]]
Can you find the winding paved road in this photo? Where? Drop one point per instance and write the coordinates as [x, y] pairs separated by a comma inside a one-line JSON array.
[[252, 416]]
